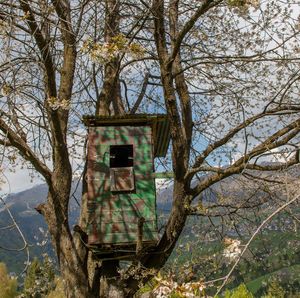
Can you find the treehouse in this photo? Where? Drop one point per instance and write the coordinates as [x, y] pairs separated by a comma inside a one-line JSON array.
[[120, 178]]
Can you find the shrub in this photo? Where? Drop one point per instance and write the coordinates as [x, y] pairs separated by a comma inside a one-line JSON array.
[[8, 285], [240, 292]]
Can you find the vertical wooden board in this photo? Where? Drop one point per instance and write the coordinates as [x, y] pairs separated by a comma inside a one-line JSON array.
[[121, 136], [98, 184], [142, 144], [146, 193], [143, 154], [97, 188], [143, 170], [150, 231], [145, 186]]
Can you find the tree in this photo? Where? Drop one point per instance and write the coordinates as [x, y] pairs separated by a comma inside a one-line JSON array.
[[8, 285], [225, 72], [274, 289], [240, 291], [39, 280], [58, 292]]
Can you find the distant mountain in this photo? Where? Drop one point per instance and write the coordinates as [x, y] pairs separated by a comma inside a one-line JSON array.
[[31, 223]]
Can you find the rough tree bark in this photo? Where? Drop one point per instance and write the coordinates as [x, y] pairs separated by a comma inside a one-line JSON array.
[[108, 102]]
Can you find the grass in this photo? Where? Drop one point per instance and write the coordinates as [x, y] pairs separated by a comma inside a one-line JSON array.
[[257, 283]]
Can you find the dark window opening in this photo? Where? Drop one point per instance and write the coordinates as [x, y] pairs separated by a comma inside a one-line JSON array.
[[121, 156]]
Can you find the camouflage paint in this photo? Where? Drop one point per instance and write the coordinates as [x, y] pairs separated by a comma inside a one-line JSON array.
[[113, 217], [159, 123]]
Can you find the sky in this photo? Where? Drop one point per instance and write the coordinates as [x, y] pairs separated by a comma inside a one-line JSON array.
[[17, 181]]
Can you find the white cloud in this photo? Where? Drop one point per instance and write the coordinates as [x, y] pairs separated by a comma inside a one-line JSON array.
[[17, 181]]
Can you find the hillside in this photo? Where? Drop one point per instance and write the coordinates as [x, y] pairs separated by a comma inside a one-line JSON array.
[[31, 223]]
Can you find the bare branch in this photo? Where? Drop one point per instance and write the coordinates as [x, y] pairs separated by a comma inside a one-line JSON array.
[[17, 142], [25, 246], [251, 239], [43, 45], [205, 6], [200, 159], [280, 138], [141, 95]]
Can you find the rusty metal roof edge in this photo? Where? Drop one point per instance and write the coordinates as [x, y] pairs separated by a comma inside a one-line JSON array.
[[90, 120]]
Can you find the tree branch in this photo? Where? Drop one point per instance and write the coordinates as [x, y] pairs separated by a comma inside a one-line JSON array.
[[25, 246], [63, 11], [205, 6], [43, 46], [141, 95], [180, 81], [280, 138], [251, 239], [17, 142], [200, 159]]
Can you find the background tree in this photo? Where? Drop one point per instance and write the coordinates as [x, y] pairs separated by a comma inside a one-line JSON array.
[[40, 278], [8, 285], [241, 291], [225, 72]]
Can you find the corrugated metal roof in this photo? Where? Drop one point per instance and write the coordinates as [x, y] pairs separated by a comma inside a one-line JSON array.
[[159, 122]]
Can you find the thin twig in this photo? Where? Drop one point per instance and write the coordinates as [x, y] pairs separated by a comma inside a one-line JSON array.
[[251, 239], [26, 246]]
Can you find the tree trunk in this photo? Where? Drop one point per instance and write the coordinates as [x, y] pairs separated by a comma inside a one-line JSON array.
[[72, 267], [157, 259], [110, 284]]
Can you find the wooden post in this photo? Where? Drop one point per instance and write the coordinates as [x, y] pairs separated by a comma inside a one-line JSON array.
[[139, 243]]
